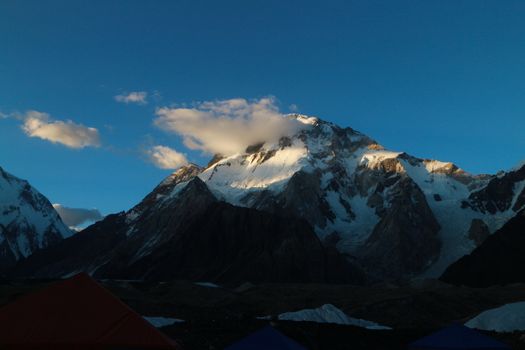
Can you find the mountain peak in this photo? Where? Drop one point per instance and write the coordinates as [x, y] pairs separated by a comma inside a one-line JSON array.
[[28, 221], [184, 173]]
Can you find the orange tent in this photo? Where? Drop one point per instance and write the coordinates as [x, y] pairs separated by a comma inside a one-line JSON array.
[[76, 314]]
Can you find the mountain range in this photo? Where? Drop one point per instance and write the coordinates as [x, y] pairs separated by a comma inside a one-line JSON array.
[[324, 204]]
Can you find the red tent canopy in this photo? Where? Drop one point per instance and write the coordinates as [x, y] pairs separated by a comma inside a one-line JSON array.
[[76, 314]]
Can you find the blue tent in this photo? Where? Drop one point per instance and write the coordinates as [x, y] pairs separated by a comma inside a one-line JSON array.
[[266, 338], [457, 337]]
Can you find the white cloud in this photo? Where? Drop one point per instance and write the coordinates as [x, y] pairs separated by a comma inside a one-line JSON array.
[[38, 124], [227, 127], [166, 158], [138, 97], [74, 217]]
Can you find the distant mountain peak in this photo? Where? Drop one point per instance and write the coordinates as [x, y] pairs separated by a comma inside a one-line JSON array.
[[28, 221]]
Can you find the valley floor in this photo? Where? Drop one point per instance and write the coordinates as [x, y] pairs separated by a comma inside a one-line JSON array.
[[217, 316]]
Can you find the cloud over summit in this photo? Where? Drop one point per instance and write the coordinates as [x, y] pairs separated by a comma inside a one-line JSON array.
[[228, 126], [166, 158]]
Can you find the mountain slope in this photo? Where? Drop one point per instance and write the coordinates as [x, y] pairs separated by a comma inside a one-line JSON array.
[[498, 260], [28, 221], [188, 234]]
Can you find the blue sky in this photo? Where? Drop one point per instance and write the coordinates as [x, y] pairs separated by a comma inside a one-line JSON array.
[[437, 79]]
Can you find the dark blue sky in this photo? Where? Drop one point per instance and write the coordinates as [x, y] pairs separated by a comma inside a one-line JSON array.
[[437, 79]]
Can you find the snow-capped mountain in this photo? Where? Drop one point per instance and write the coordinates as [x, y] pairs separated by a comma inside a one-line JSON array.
[[391, 215], [28, 221], [398, 214]]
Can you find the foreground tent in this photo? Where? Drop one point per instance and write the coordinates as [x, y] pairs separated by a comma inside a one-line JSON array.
[[457, 337], [267, 338], [76, 314]]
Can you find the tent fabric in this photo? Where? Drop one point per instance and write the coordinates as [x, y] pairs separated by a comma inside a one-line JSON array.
[[267, 338], [457, 337], [77, 314]]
